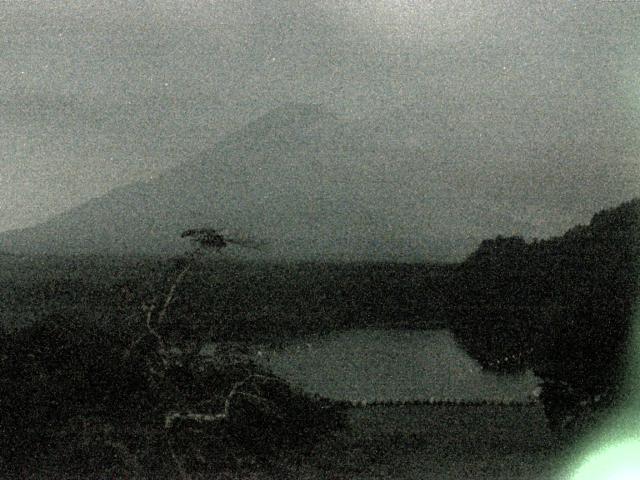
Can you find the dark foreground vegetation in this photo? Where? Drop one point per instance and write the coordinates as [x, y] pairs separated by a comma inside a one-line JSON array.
[[104, 377], [133, 399], [562, 307]]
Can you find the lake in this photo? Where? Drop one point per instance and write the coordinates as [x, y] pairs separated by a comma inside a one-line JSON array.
[[391, 365]]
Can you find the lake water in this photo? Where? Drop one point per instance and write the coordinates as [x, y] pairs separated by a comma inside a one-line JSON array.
[[391, 365]]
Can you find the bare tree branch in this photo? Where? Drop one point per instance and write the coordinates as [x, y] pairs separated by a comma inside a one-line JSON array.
[[170, 418]]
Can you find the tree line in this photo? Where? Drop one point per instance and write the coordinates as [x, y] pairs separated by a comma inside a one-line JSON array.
[[561, 307]]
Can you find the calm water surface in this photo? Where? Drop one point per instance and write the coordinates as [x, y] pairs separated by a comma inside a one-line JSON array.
[[391, 365]]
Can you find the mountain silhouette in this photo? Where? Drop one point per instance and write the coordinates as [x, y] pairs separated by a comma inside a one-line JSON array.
[[310, 184]]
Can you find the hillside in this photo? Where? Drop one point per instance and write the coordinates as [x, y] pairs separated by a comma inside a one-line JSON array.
[[562, 307], [311, 184]]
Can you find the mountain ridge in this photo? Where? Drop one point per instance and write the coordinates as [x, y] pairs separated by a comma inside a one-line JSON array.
[[298, 177]]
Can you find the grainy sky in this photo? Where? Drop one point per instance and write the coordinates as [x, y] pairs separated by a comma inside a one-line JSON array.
[[95, 94]]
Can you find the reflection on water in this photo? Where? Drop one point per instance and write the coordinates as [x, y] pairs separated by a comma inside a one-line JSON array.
[[392, 365]]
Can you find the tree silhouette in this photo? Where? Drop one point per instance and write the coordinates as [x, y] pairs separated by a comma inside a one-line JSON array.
[[564, 304], [211, 239]]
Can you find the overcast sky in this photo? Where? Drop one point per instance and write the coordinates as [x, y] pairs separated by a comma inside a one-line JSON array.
[[95, 94]]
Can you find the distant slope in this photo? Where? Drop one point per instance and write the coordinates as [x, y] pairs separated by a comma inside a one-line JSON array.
[[298, 177]]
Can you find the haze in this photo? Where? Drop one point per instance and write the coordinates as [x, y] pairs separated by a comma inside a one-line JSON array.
[[533, 109]]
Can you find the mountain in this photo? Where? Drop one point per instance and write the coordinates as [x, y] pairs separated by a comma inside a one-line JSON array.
[[311, 184]]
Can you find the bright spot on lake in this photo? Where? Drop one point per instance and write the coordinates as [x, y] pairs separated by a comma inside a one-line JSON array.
[[392, 365]]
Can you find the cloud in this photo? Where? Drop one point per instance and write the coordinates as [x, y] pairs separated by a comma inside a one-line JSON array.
[[123, 89]]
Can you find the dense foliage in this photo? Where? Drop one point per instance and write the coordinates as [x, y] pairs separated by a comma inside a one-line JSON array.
[[96, 399], [86, 386], [239, 301], [561, 307]]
